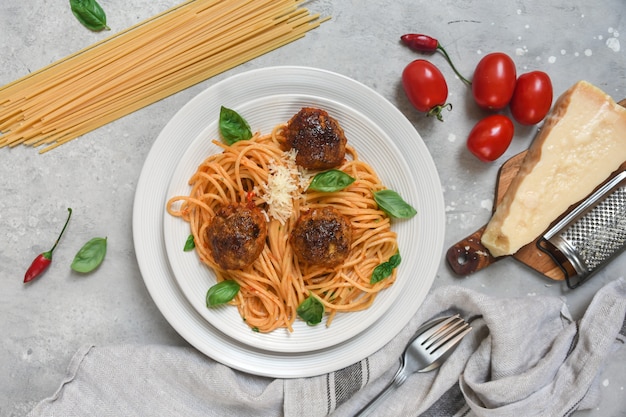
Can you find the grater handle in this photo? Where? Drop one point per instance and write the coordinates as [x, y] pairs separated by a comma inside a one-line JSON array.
[[469, 255]]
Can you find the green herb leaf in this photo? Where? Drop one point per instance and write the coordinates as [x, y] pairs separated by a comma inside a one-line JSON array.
[[330, 181], [90, 14], [391, 203], [311, 310], [190, 244], [90, 256], [221, 293], [233, 127], [385, 269]]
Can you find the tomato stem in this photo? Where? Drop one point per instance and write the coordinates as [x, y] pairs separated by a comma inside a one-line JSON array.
[[436, 111]]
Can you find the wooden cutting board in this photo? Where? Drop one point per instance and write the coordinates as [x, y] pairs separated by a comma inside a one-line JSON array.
[[469, 255]]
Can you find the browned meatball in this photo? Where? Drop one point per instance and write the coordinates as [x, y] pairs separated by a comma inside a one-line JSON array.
[[322, 236], [318, 138], [236, 236]]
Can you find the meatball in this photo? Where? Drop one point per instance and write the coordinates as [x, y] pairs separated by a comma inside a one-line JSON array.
[[317, 137], [236, 236], [322, 236]]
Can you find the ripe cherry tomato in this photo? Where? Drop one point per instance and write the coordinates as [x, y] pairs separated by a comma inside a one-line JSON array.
[[494, 81], [532, 98], [490, 137], [425, 87]]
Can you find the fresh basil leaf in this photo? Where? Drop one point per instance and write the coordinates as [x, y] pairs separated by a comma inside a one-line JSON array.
[[385, 269], [395, 260], [233, 127], [90, 256], [221, 293], [311, 310], [190, 244], [391, 203], [90, 14], [330, 181]]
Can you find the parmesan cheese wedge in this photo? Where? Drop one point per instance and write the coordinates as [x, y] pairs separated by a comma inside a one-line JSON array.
[[582, 141]]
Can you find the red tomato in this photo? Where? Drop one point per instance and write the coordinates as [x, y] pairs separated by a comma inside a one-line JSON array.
[[425, 87], [490, 137], [494, 81], [532, 98]]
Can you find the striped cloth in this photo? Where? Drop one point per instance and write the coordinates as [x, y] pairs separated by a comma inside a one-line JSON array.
[[525, 356]]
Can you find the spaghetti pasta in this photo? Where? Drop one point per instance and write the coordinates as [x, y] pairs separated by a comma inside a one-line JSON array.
[[174, 50], [275, 285]]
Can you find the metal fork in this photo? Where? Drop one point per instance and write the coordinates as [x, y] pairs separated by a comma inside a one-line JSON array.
[[434, 341]]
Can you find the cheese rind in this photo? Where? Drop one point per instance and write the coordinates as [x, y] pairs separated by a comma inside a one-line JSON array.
[[582, 142]]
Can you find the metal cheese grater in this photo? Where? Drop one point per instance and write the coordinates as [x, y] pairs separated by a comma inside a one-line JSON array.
[[591, 235]]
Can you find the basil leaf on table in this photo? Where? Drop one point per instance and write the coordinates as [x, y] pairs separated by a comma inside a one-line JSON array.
[[330, 181], [385, 269], [391, 203], [221, 293], [90, 14], [233, 127], [311, 310], [90, 256]]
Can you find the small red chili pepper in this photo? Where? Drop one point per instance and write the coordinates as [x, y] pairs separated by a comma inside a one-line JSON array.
[[419, 42], [43, 261], [425, 43]]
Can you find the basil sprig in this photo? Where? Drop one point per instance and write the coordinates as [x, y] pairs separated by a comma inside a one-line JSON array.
[[233, 127], [311, 310], [391, 203], [190, 244], [90, 14], [385, 269], [330, 181], [221, 293], [90, 256]]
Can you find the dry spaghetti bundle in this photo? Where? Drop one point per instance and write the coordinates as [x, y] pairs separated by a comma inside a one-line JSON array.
[[276, 283], [174, 50]]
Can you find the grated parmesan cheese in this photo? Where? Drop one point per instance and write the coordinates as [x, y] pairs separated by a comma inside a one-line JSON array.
[[283, 185]]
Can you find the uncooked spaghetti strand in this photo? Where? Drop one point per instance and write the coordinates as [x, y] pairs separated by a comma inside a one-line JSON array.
[[141, 103], [168, 51], [48, 84], [118, 40], [97, 49], [64, 136], [176, 41], [87, 126]]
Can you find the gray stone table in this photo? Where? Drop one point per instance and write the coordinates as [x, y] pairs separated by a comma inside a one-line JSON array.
[[41, 326]]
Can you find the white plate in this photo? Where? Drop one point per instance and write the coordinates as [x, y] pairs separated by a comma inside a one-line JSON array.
[[372, 145], [170, 147]]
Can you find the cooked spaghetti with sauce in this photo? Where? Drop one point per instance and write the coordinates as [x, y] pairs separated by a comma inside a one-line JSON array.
[[256, 222]]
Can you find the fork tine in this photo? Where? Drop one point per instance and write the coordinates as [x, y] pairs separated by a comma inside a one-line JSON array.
[[445, 334], [442, 345], [444, 351], [436, 329]]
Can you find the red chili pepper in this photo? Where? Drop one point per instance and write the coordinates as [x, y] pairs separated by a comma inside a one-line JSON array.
[[43, 260], [419, 42], [425, 43]]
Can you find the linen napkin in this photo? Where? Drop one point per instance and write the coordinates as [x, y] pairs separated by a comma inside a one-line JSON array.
[[524, 357]]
